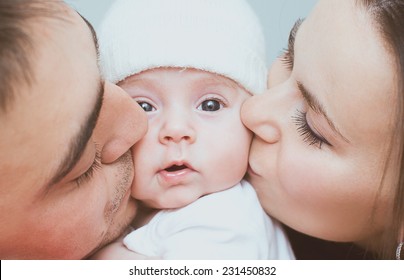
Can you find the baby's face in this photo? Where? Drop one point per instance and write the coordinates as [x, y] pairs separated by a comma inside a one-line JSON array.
[[196, 143]]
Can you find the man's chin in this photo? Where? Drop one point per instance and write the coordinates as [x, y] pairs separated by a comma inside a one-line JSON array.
[[120, 225], [122, 221]]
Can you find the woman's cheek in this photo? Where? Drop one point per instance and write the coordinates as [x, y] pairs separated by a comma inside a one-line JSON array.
[[316, 181], [309, 180]]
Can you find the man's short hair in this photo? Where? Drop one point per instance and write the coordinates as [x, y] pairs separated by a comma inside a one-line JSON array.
[[17, 50]]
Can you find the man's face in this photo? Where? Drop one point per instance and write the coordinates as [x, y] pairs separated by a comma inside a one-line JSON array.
[[65, 168]]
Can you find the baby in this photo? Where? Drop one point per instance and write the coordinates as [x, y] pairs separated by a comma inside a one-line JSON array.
[[190, 64]]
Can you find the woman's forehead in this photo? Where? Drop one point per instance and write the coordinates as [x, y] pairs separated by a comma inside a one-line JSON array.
[[346, 66]]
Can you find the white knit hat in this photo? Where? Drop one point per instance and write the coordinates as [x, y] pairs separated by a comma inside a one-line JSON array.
[[219, 36]]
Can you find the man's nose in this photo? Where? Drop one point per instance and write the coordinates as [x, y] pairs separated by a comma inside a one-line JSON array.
[[121, 124]]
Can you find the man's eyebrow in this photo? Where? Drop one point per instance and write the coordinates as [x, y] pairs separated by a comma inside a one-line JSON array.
[[317, 107], [79, 142]]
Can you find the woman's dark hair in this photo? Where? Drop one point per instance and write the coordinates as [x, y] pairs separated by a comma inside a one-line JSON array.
[[388, 19]]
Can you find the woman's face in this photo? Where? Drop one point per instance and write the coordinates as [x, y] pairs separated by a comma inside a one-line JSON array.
[[323, 129]]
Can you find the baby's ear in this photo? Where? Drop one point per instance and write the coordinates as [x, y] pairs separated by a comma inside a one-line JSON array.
[[278, 72]]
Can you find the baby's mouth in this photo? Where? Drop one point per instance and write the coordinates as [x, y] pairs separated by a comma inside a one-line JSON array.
[[176, 173], [174, 168]]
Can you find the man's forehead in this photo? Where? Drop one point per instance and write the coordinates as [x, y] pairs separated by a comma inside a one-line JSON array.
[[72, 21], [23, 22], [67, 83]]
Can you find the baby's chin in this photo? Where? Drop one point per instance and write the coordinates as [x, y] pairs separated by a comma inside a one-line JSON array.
[[173, 200]]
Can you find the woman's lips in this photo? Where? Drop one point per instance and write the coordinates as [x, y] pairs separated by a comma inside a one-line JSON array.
[[251, 171]]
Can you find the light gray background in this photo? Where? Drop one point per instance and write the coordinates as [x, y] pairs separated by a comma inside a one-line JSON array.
[[277, 18]]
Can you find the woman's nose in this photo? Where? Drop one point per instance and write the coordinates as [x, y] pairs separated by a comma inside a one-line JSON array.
[[260, 114], [177, 127], [121, 124]]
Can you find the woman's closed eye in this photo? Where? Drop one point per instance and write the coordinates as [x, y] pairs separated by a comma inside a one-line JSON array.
[[308, 134]]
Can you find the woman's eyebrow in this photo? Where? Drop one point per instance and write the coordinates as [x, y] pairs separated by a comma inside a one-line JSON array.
[[317, 107]]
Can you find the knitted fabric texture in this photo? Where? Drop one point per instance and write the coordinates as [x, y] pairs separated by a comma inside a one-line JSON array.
[[218, 36]]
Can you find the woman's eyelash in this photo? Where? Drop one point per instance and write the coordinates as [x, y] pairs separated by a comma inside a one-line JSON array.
[[309, 136], [88, 175], [288, 55], [287, 59]]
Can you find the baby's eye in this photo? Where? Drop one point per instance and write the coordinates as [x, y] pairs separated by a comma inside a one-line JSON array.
[[146, 106], [210, 105]]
